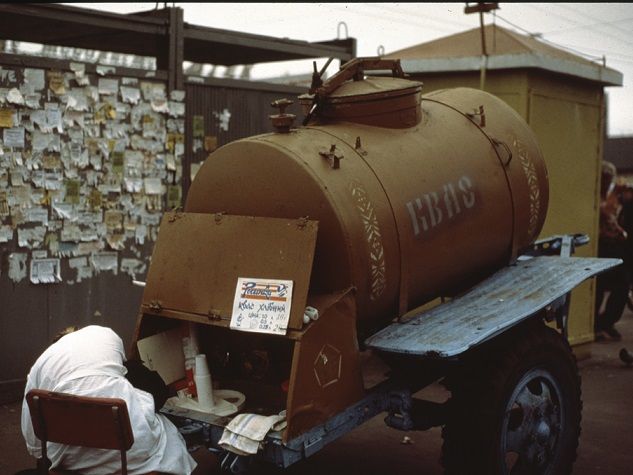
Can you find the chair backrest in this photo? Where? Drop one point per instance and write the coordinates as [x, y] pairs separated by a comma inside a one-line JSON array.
[[101, 423]]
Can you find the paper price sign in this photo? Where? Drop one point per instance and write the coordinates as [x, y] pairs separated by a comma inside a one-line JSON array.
[[262, 305]]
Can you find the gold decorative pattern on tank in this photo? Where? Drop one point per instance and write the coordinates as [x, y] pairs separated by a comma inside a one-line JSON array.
[[532, 181], [378, 272]]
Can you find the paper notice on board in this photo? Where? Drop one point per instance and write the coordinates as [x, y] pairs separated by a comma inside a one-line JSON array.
[[73, 188], [113, 219], [84, 273], [33, 100], [14, 96], [65, 211], [80, 73], [31, 237], [6, 117], [130, 95], [176, 109], [17, 266], [105, 70], [262, 305], [173, 196], [108, 86], [13, 137], [56, 82], [36, 215], [35, 78], [4, 204], [6, 233], [140, 233], [39, 254], [51, 162], [45, 271], [77, 262], [77, 100], [132, 267], [198, 126], [105, 261], [177, 95], [153, 186]]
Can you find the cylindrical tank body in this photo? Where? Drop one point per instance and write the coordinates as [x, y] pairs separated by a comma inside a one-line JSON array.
[[413, 211]]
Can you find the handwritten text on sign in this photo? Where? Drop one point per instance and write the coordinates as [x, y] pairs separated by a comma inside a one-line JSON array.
[[262, 305]]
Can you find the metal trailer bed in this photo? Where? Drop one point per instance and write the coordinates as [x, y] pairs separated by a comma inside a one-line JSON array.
[[539, 282]]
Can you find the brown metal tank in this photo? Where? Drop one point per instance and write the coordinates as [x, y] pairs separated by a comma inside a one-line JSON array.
[[416, 196]]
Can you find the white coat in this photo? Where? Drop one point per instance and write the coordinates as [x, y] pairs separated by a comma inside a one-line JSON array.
[[89, 362]]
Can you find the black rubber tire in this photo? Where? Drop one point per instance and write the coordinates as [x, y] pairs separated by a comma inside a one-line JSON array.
[[535, 368]]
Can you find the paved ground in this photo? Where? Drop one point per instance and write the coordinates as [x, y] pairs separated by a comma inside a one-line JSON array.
[[606, 445]]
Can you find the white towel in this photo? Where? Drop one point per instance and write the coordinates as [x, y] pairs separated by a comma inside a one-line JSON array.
[[245, 432]]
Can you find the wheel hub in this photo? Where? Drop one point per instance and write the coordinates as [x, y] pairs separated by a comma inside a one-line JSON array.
[[543, 433]]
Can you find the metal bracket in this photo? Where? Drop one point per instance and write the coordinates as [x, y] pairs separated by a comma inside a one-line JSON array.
[[478, 113], [175, 215], [311, 447], [234, 463], [214, 315], [399, 406], [302, 222], [333, 156], [218, 217], [156, 306], [563, 246], [359, 148]]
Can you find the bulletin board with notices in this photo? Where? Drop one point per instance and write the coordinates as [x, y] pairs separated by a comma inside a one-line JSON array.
[[89, 162]]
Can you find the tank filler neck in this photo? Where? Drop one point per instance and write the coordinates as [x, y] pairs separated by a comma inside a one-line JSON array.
[[354, 69]]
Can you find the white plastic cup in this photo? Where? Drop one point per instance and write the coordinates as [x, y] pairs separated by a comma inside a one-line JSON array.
[[204, 385], [202, 368]]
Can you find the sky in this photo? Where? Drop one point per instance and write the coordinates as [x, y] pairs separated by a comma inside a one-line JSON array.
[[592, 30]]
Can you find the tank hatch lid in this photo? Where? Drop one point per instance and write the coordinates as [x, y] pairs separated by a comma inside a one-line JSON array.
[[352, 96], [199, 257], [374, 86], [368, 89], [379, 101]]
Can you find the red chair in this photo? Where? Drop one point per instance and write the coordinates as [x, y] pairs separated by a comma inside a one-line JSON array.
[[95, 422]]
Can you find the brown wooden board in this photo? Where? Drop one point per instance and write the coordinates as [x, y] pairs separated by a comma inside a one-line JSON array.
[[199, 257]]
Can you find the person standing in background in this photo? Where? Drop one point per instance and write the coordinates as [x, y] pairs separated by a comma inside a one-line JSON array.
[[612, 243]]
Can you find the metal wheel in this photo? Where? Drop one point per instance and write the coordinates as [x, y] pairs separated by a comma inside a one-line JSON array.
[[532, 424], [515, 408]]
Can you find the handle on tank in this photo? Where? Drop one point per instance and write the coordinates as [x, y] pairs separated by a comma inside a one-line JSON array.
[[506, 148], [355, 69]]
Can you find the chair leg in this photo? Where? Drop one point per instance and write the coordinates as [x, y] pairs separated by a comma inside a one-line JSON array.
[[43, 464], [123, 463]]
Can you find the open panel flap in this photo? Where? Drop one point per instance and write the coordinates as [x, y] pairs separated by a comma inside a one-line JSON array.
[[198, 259]]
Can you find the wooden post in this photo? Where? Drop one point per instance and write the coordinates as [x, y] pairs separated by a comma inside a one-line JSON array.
[[171, 61], [482, 8]]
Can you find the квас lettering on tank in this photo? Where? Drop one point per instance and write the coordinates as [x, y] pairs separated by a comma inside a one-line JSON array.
[[432, 209]]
